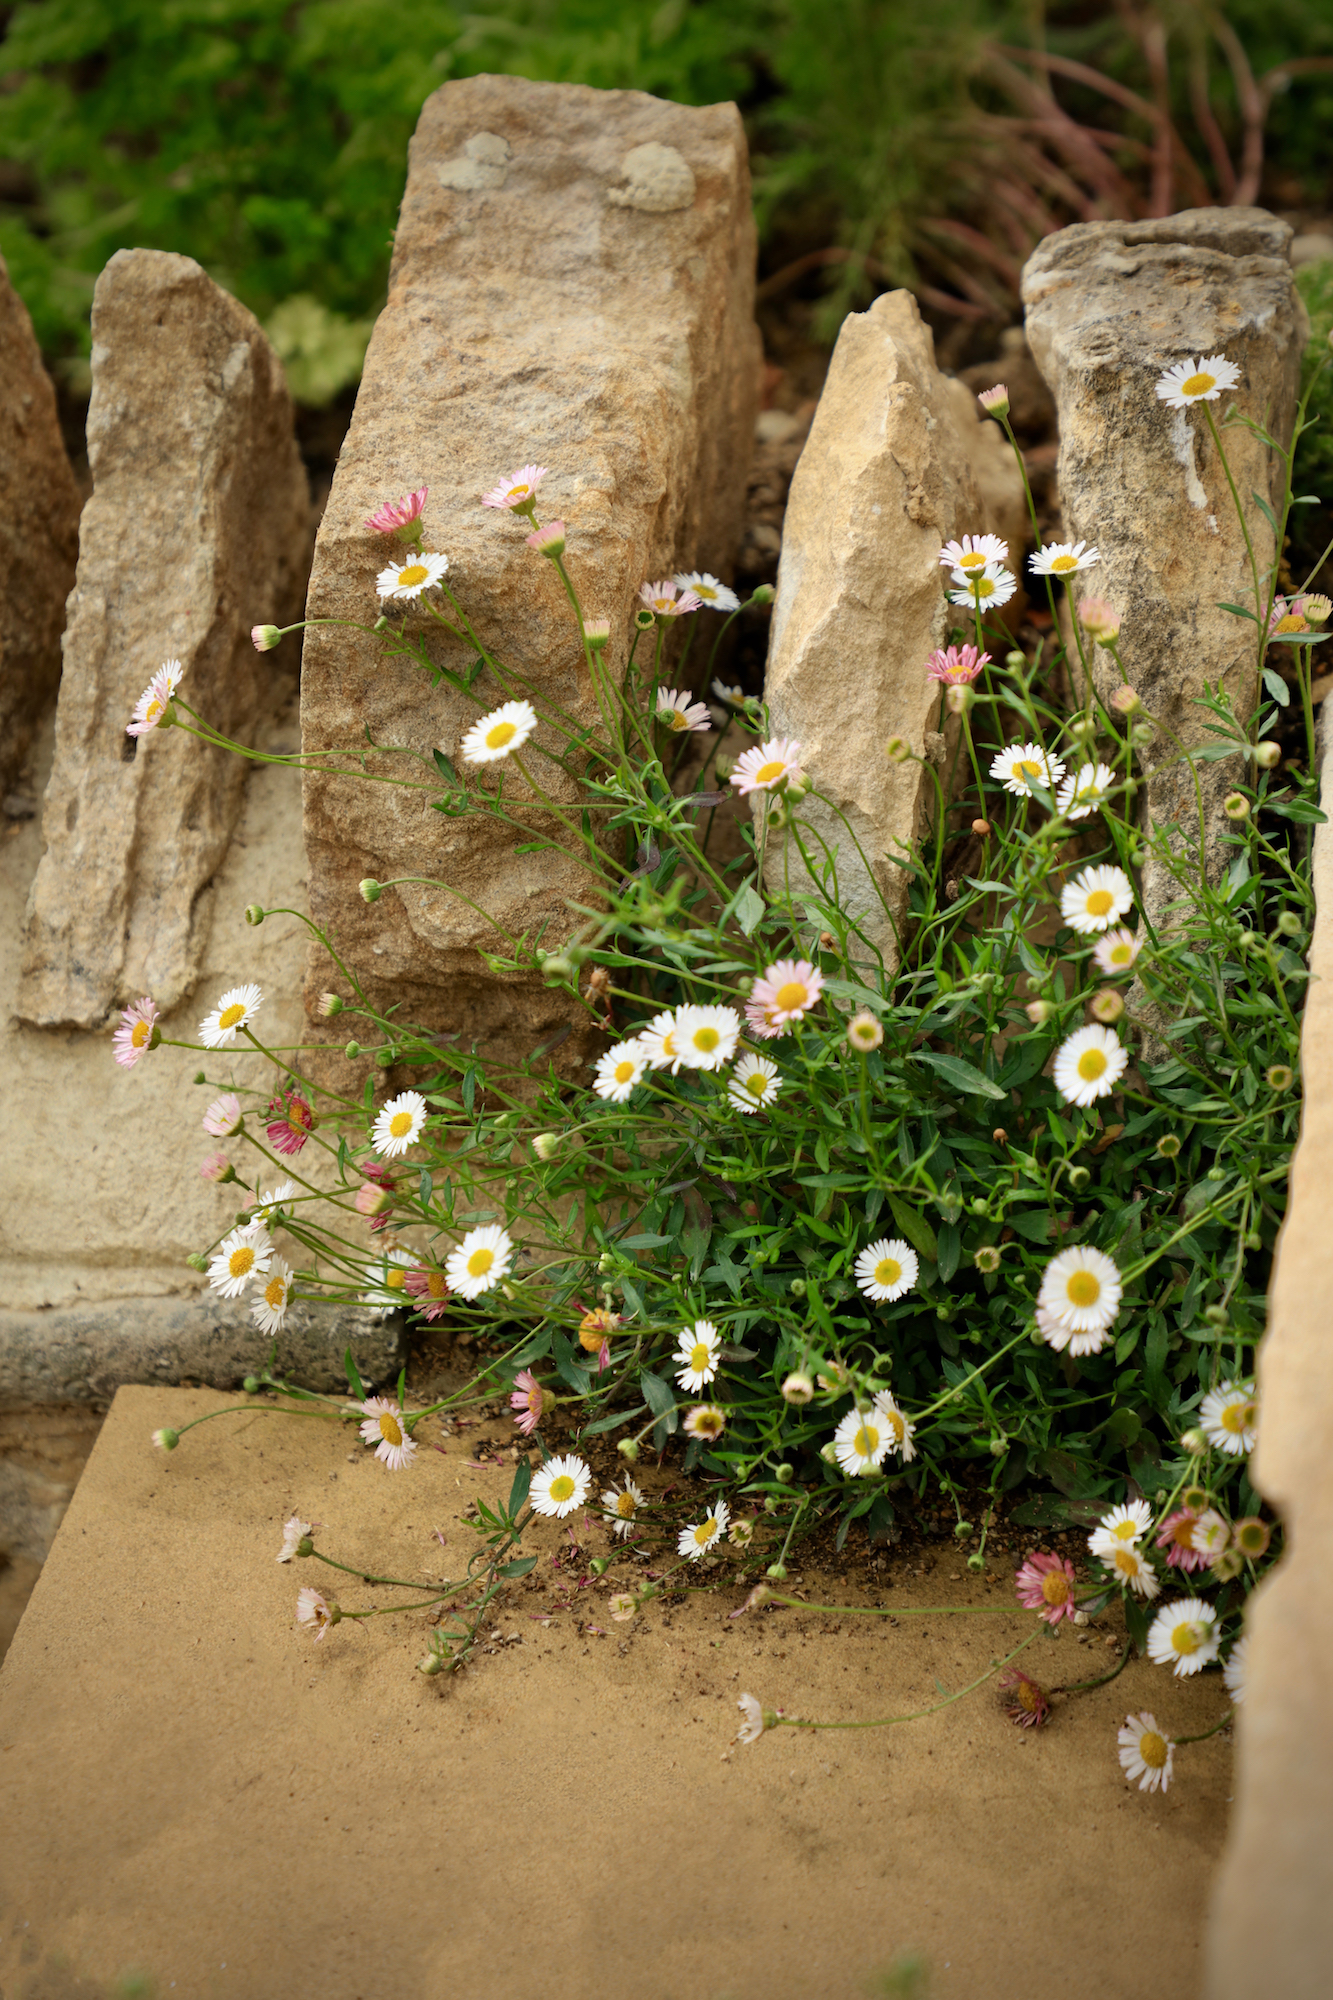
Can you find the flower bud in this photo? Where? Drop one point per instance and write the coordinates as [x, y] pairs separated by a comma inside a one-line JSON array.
[[1236, 806], [1015, 661], [959, 698], [1078, 1178], [166, 1440], [976, 1561], [549, 541], [329, 1005], [557, 968], [255, 913], [1267, 755], [1083, 728], [1216, 1315], [600, 1565], [1101, 622], [432, 1663], [797, 1389], [1143, 735], [785, 1474], [778, 1572], [798, 1288], [264, 637], [998, 1446], [763, 593], [962, 1530], [995, 402], [776, 814], [643, 619], [597, 631], [628, 1450], [796, 787], [864, 1031], [1195, 1443], [1228, 1565], [1108, 1005], [1039, 1012], [544, 1144], [1289, 923], [196, 1262], [352, 1051], [1125, 702], [1316, 607], [828, 1453], [371, 890], [251, 1385]]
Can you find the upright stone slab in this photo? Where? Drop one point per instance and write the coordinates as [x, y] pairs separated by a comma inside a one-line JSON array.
[[572, 284], [196, 529], [898, 461], [39, 533], [1109, 306]]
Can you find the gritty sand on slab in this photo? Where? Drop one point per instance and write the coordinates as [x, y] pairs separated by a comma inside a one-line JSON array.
[[191, 1786]]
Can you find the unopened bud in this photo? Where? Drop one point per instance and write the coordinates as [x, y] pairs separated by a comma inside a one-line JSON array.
[[796, 786], [1108, 1005], [1216, 1315], [798, 1389], [1289, 923], [549, 541], [995, 402], [785, 1475], [1316, 607], [1083, 728], [1101, 621], [998, 1446], [352, 1051], [962, 1530], [329, 1005], [166, 1440], [1236, 806], [264, 637], [628, 1450], [1039, 1012], [763, 593], [1267, 755], [254, 913], [251, 1385], [1015, 660], [545, 1143], [432, 1663], [1079, 1178], [1195, 1443], [1125, 702], [597, 631], [1143, 735], [959, 698], [196, 1262], [778, 1572], [371, 890], [557, 968]]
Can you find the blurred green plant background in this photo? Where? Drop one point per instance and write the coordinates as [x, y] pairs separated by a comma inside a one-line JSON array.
[[892, 143]]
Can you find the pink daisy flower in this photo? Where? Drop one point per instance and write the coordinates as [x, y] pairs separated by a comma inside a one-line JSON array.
[[1045, 1584], [153, 703], [785, 994], [760, 1022], [384, 1429], [395, 514], [767, 767], [1176, 1536], [223, 1116], [289, 1131], [428, 1284], [528, 1400], [215, 1167], [134, 1037], [518, 491], [667, 599], [956, 666]]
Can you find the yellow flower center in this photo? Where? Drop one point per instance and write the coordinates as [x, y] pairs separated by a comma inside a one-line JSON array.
[[1198, 385], [793, 995], [1083, 1289], [757, 1084], [1237, 1417], [706, 1040], [400, 1124], [626, 1506], [562, 1487], [1055, 1587], [1127, 1562], [675, 719], [241, 1260], [767, 774], [894, 1421], [1121, 954], [1124, 1531], [972, 560], [705, 1532], [437, 1286], [229, 1016], [1092, 1064], [701, 1358], [888, 1271], [669, 1043], [139, 1034], [704, 590], [502, 733], [1099, 903], [153, 710], [1063, 564], [479, 1263], [1025, 768], [1293, 622], [1152, 1749], [518, 492], [389, 1430], [1186, 1638], [866, 1442], [275, 1291], [412, 574], [624, 1070], [395, 1279]]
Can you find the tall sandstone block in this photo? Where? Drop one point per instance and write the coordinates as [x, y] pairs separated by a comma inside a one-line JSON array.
[[898, 461], [39, 533], [572, 284], [1109, 306], [197, 527]]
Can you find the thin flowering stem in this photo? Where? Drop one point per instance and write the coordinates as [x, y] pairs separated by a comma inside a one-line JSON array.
[[1082, 1687], [898, 1611], [400, 1582], [919, 1714], [1261, 609]]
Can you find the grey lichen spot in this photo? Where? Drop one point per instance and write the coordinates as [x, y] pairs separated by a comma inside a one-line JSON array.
[[483, 163], [659, 179]]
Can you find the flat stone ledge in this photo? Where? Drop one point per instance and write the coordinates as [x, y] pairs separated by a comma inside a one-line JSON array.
[[83, 1354]]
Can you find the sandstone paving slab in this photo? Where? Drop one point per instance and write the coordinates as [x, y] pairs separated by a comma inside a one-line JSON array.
[[190, 1787]]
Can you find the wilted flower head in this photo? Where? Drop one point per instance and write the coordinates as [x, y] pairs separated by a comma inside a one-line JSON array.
[[430, 1288], [291, 1122], [1028, 1705], [527, 1399]]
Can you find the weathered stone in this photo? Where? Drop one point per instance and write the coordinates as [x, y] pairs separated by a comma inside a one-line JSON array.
[[196, 529], [39, 533], [1109, 306], [1277, 1861], [889, 473], [572, 283]]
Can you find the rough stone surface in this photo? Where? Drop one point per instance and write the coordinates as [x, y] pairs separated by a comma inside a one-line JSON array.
[[85, 1353], [39, 533], [1109, 306], [196, 529], [1279, 1858], [572, 284], [897, 462]]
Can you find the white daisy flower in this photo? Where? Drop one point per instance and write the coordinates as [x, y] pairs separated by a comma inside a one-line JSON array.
[[1093, 900], [234, 1011], [714, 596], [1080, 1289], [1122, 1525], [621, 1504], [242, 1254], [1184, 1635], [767, 766], [618, 1071], [1210, 1533], [754, 1720], [659, 1042], [388, 1292], [1063, 558], [754, 1083], [707, 1036], [975, 553], [559, 1486], [1088, 1065], [898, 1426], [385, 1429], [399, 1124], [697, 1351], [1145, 1752], [887, 1268], [1130, 1567], [699, 1537], [862, 1441], [1200, 381], [268, 1201], [989, 590], [1024, 765], [479, 1261], [734, 697], [1229, 1417], [499, 734], [1063, 1338], [152, 703], [1235, 1668], [270, 1308], [1081, 795], [311, 1609], [294, 1532], [678, 713], [410, 578], [1116, 951]]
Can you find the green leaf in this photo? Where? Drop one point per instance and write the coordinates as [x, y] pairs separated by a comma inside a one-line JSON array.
[[1277, 687], [353, 1379], [1137, 1618], [949, 1249], [644, 1241], [1265, 510], [962, 1075], [518, 1568], [659, 1396], [1239, 611], [518, 1493], [1033, 1225], [610, 1423], [748, 909], [915, 1228], [1298, 809], [444, 767]]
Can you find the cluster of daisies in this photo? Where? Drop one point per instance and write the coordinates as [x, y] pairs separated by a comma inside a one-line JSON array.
[[706, 1038], [979, 575]]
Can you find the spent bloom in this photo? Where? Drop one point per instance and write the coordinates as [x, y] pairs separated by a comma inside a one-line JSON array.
[[499, 734], [786, 993], [1211, 1533], [428, 1285], [667, 599], [1079, 1298], [698, 1537], [399, 1124], [1045, 1584], [291, 1122], [311, 1609], [1176, 1536], [1184, 1635], [1234, 1669], [223, 1116], [974, 553], [216, 1167], [678, 713], [408, 579], [1028, 1703], [618, 1071], [1229, 1417], [269, 1309], [1063, 558], [714, 596], [755, 1719], [153, 703], [1088, 1065], [384, 1428], [265, 637], [767, 767], [294, 1532], [754, 1084], [518, 491], [1024, 765], [622, 1606], [527, 1399], [559, 1486], [392, 515], [1081, 795], [234, 1011], [886, 1268], [697, 1351], [705, 1420], [480, 1261], [864, 1032], [1116, 951], [242, 1254], [1200, 381], [134, 1037], [620, 1506], [1145, 1752], [1095, 899], [549, 540], [956, 666]]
